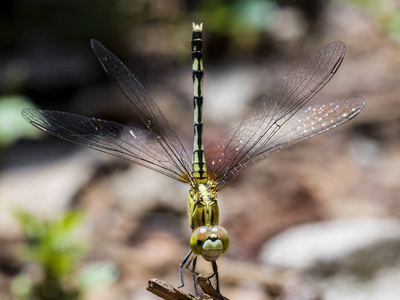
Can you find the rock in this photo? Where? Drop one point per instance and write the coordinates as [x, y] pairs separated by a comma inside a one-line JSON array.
[[305, 246], [346, 258], [45, 190]]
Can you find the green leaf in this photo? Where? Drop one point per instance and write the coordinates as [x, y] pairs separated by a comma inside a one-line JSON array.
[[12, 124], [99, 273], [21, 286]]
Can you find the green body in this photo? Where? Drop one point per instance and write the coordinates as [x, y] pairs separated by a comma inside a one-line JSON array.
[[203, 206], [208, 239]]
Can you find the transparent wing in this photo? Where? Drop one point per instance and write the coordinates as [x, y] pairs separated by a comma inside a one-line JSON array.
[[306, 123], [146, 109], [244, 144], [130, 143], [310, 121]]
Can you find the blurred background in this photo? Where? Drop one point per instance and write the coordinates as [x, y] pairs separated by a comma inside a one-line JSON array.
[[317, 221]]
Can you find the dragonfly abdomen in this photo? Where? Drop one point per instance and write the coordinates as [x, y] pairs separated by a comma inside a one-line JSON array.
[[199, 169]]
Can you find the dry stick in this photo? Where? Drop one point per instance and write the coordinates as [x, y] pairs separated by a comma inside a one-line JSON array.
[[208, 289], [168, 292]]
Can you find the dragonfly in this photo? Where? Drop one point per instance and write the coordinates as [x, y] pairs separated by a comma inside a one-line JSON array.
[[278, 120]]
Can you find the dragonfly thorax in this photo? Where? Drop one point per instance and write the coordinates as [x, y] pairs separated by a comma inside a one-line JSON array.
[[203, 206]]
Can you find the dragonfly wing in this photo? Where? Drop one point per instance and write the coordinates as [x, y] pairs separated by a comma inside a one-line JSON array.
[[130, 143], [233, 151], [306, 123], [145, 108]]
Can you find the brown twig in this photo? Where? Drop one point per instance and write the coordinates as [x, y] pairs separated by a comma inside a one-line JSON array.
[[208, 289], [166, 291]]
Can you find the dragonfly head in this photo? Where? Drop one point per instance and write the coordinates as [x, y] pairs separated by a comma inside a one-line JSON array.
[[209, 241]]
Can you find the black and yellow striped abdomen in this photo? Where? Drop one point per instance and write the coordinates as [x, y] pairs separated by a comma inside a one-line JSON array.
[[203, 206], [199, 169]]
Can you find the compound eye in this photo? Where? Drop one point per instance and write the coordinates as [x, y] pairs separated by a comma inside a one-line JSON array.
[[223, 236], [199, 236]]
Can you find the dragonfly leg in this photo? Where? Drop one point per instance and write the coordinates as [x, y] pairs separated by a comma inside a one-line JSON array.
[[189, 259], [194, 273], [215, 273], [183, 263]]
